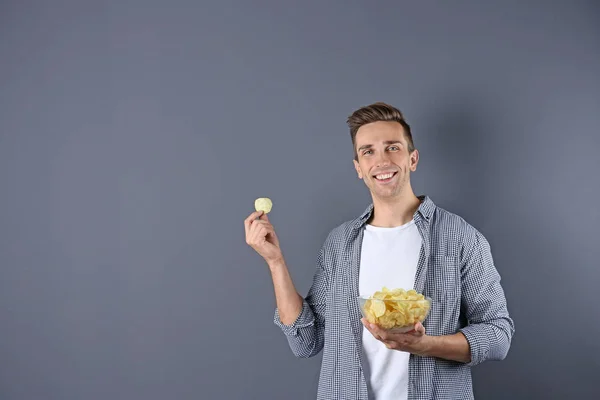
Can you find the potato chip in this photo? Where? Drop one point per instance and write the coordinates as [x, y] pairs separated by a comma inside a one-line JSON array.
[[368, 313], [378, 308], [263, 204]]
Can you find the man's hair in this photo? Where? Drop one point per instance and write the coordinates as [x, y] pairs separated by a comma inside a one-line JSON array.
[[378, 112]]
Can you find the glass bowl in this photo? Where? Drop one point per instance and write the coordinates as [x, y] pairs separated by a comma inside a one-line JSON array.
[[393, 314]]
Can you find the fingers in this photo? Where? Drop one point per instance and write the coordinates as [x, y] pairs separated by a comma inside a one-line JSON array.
[[384, 338], [259, 230], [260, 222], [264, 217], [390, 344], [394, 340], [256, 225], [258, 234], [375, 330], [253, 216], [379, 333], [419, 329], [248, 221]]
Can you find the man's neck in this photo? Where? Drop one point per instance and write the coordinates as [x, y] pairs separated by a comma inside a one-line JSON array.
[[394, 212]]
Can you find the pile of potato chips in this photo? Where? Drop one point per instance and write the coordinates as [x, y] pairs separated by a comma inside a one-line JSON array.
[[397, 308]]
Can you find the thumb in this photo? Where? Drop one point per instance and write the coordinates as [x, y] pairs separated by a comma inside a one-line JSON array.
[[419, 328], [264, 217]]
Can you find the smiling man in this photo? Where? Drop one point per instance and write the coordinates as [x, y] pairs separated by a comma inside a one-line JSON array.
[[400, 241]]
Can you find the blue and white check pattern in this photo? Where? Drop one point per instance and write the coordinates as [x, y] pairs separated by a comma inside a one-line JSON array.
[[455, 270]]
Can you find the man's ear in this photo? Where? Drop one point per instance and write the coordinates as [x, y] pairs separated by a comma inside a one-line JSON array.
[[414, 160], [357, 167]]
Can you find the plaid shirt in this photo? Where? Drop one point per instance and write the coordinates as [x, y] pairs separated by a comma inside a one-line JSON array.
[[455, 270]]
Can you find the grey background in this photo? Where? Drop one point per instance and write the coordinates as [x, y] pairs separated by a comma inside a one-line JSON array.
[[135, 136]]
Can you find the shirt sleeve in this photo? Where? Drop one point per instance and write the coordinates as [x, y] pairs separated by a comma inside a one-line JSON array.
[[490, 328], [306, 334]]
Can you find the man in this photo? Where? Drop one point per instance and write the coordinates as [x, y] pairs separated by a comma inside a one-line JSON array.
[[400, 241]]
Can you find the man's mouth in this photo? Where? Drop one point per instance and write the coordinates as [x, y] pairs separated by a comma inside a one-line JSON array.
[[385, 177]]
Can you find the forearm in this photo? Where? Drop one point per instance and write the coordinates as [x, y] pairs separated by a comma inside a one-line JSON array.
[[289, 301], [483, 303], [450, 347], [489, 340], [302, 319]]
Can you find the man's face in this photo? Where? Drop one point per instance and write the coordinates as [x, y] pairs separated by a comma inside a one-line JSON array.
[[383, 159]]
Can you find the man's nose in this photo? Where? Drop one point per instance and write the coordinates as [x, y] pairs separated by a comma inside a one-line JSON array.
[[383, 160]]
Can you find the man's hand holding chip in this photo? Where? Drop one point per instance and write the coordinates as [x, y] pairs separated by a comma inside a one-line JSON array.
[[261, 236]]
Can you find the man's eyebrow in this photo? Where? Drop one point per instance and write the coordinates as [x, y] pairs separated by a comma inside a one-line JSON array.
[[366, 146]]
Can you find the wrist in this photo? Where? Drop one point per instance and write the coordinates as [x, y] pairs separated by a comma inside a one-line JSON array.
[[276, 264], [449, 347], [428, 345]]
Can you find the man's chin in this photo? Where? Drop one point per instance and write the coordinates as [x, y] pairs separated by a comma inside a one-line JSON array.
[[385, 194], [384, 191]]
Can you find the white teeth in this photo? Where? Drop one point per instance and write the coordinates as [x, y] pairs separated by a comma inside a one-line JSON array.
[[384, 176]]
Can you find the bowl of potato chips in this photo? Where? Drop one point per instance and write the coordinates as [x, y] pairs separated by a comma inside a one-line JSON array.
[[397, 310]]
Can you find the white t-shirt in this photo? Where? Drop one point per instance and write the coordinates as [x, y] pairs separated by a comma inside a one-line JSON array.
[[389, 258]]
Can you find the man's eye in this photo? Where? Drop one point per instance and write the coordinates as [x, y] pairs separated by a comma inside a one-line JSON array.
[[393, 147], [367, 152]]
